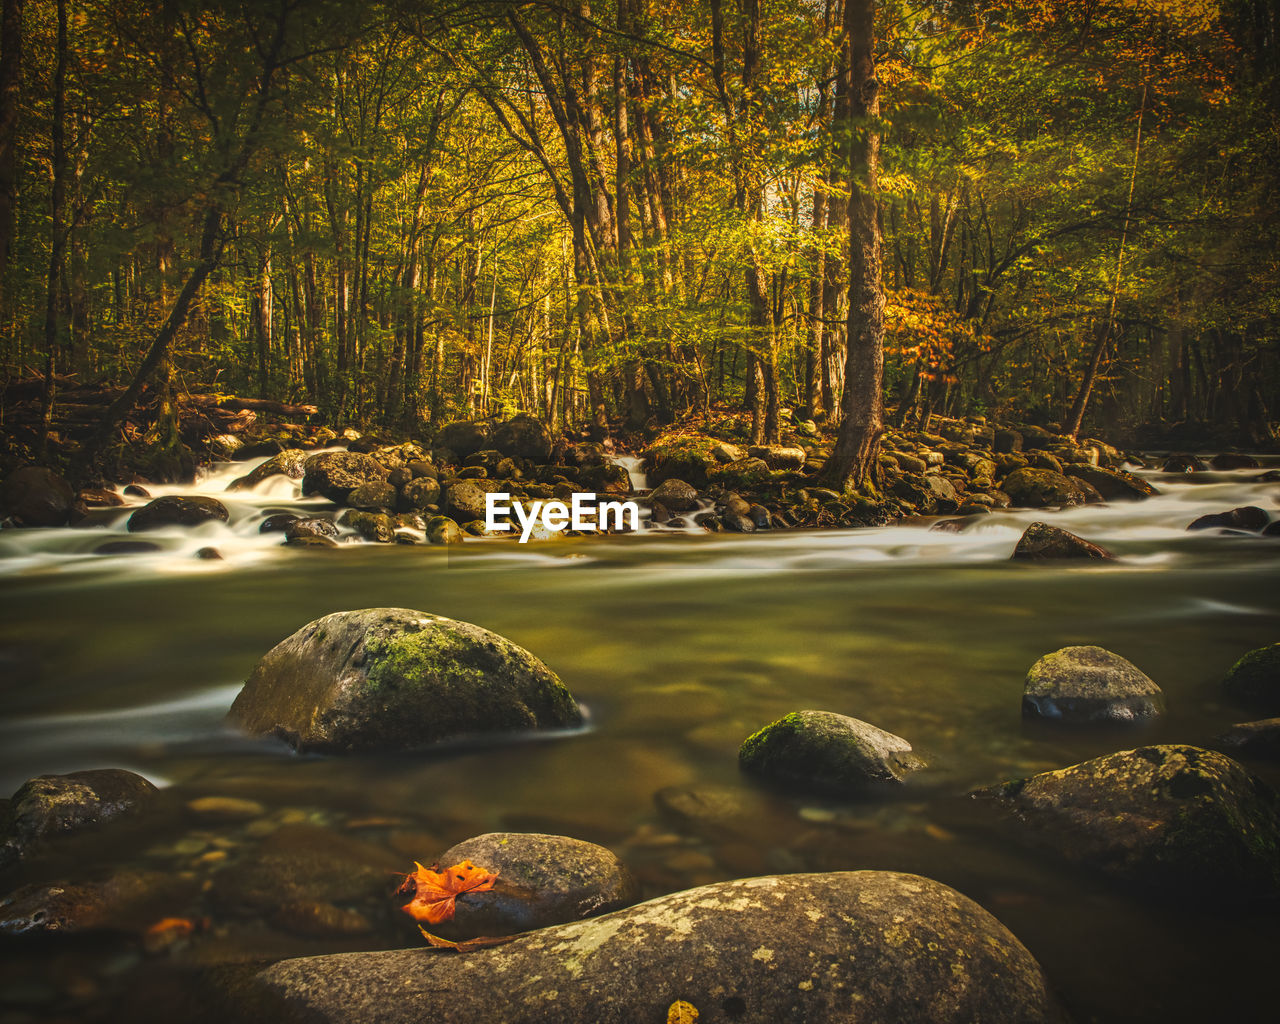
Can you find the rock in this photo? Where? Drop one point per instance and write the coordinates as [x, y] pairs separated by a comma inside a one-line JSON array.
[[1254, 680], [418, 493], [136, 491], [676, 495], [336, 474], [825, 752], [1249, 517], [420, 468], [683, 457], [124, 902], [51, 806], [523, 437], [1183, 464], [311, 541], [389, 679], [1040, 540], [464, 501], [279, 522], [1113, 485], [126, 547], [1007, 441], [443, 530], [709, 811], [943, 492], [1259, 739], [726, 452], [320, 920], [291, 463], [737, 522], [209, 554], [1174, 817], [315, 527], [376, 495], [375, 527], [760, 517], [225, 808], [307, 867], [1232, 460], [37, 496], [777, 456], [463, 437], [1089, 684], [870, 945], [99, 497], [1039, 488], [1043, 460], [177, 511], [1273, 529], [542, 880], [806, 428]]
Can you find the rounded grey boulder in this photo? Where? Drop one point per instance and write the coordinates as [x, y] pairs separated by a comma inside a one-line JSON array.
[[1077, 685], [826, 752], [389, 679], [844, 946], [542, 880], [1174, 817], [173, 510], [675, 495]]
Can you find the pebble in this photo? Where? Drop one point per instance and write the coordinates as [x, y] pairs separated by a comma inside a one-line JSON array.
[[226, 808]]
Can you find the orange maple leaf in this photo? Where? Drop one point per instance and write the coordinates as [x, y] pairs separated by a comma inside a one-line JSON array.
[[435, 891]]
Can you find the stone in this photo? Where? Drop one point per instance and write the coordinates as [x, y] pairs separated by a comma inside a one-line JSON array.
[[278, 522], [523, 437], [314, 527], [737, 522], [778, 456], [1259, 739], [375, 527], [1173, 817], [385, 679], [225, 808], [418, 493], [1040, 488], [420, 468], [1183, 464], [443, 530], [375, 496], [99, 497], [320, 920], [1078, 685], [37, 496], [910, 463], [177, 511], [126, 547], [290, 463], [676, 495], [1113, 485], [1007, 441], [726, 452], [1254, 680], [865, 945], [1248, 517], [50, 807], [1233, 460], [465, 501], [308, 540], [1042, 541], [821, 751], [463, 437], [336, 474], [542, 880], [209, 554]]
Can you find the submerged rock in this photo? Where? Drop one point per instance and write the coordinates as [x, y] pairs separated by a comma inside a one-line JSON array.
[[1174, 817], [1183, 464], [37, 496], [1233, 460], [1254, 680], [1259, 739], [1042, 541], [542, 880], [826, 752], [865, 945], [396, 679], [52, 806], [1249, 517], [173, 510], [1077, 685]]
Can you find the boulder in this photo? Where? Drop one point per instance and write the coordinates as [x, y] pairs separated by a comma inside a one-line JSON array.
[[726, 452], [375, 527], [1259, 739], [418, 493], [37, 496], [309, 540], [864, 945], [99, 497], [676, 495], [1249, 517], [542, 880], [443, 530], [177, 511], [376, 495], [1233, 460], [1172, 817], [1040, 488], [1041, 541], [1006, 441], [314, 527], [1183, 464], [825, 752], [49, 807], [336, 474], [465, 500], [1077, 685], [290, 463], [1113, 485], [463, 437], [523, 437], [777, 456], [278, 522], [389, 679], [1254, 680]]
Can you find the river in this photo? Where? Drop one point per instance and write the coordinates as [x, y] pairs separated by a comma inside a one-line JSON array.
[[679, 645]]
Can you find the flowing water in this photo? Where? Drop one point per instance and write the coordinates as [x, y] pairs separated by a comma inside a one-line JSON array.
[[678, 646]]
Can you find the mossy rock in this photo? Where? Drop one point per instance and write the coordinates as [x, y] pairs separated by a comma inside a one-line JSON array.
[[443, 530], [1040, 488], [336, 474], [289, 463], [824, 752], [384, 679], [1173, 817], [683, 456], [1254, 680], [1077, 685], [1113, 485], [1040, 541]]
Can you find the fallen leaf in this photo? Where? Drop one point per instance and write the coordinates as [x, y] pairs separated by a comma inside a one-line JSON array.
[[435, 892], [467, 945], [681, 1012]]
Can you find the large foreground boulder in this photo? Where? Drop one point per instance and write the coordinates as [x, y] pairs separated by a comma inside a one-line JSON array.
[[1078, 685], [1171, 817], [822, 751], [51, 806], [37, 496], [1040, 541], [383, 679], [176, 510], [809, 949], [336, 474]]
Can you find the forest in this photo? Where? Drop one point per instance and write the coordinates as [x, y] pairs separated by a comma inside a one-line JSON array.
[[636, 211]]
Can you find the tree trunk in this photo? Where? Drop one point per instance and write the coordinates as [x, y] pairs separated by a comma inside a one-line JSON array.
[[57, 229], [10, 101]]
